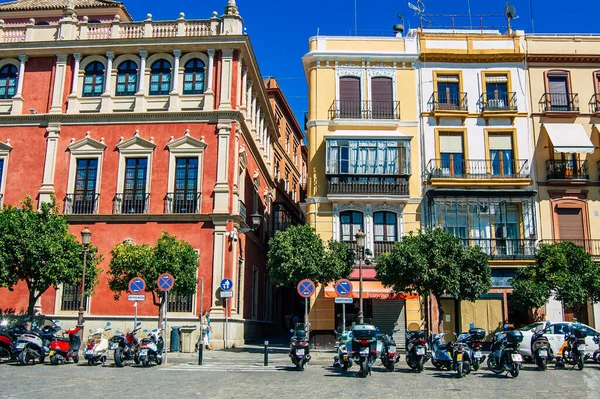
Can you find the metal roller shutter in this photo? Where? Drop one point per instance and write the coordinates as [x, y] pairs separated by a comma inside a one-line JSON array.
[[388, 312]]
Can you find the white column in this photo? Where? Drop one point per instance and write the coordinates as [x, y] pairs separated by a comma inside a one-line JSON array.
[[47, 189], [243, 91], [209, 95], [225, 86], [260, 129], [222, 185], [73, 105], [110, 55], [17, 100], [59, 84], [140, 96], [254, 111], [239, 87], [176, 55]]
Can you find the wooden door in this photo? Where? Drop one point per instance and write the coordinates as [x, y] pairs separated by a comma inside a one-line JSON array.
[[570, 224]]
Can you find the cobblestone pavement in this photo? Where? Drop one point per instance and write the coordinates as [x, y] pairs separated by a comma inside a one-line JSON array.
[[233, 375]]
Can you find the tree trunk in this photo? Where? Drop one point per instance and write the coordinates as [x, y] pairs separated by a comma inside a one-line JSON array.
[[32, 301], [440, 313]]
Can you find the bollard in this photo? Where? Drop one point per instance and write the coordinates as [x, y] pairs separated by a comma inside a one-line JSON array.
[[200, 350], [266, 353]]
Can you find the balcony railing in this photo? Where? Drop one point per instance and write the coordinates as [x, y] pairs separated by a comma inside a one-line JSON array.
[[478, 169], [498, 102], [591, 246], [131, 203], [182, 202], [369, 185], [442, 101], [382, 247], [504, 248], [364, 109], [559, 102], [595, 104], [82, 204], [567, 169]]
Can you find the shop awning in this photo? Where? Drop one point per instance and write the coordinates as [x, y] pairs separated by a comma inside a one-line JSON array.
[[371, 290], [569, 138]]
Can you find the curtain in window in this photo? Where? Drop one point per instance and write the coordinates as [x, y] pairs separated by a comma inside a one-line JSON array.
[[354, 161], [333, 157], [392, 159]]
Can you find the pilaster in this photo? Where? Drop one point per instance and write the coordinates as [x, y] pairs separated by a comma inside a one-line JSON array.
[[47, 189], [174, 94], [59, 83], [17, 107], [140, 98], [222, 185], [73, 105], [209, 95], [226, 79], [106, 102]]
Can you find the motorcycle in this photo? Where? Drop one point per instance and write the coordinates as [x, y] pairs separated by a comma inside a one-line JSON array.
[[62, 349], [343, 345], [8, 336], [461, 356], [540, 349], [416, 350], [473, 340], [32, 345], [299, 346], [388, 355], [126, 347], [573, 349], [504, 355], [151, 348], [441, 352], [596, 355], [97, 346], [364, 347]]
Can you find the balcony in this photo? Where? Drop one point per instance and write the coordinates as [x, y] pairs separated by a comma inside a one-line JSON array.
[[364, 109], [82, 204], [557, 104], [182, 202], [131, 203], [498, 103], [448, 103], [367, 185], [570, 170], [591, 246], [498, 172], [504, 248], [382, 247], [595, 104]]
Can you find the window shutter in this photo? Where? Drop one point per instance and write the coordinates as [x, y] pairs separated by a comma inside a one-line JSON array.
[[496, 79], [381, 89], [448, 79], [451, 144], [570, 223], [500, 142], [349, 89], [557, 84]]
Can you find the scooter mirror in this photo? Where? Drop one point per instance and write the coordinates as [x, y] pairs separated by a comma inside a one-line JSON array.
[[57, 321], [145, 330], [108, 323], [292, 330], [90, 330], [139, 323], [57, 328], [117, 332]]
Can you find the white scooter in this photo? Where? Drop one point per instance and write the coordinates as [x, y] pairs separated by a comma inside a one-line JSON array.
[[151, 348], [97, 346]]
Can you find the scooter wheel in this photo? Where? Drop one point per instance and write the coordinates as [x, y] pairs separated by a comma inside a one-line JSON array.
[[580, 364], [91, 362], [4, 354], [437, 365], [24, 357], [390, 366], [419, 367], [459, 370], [493, 367], [75, 359], [54, 360], [119, 357], [515, 370], [300, 365], [364, 369], [475, 365], [543, 364], [345, 366], [145, 362]]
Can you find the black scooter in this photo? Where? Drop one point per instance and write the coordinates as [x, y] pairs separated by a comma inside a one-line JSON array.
[[416, 349], [389, 356], [125, 346], [299, 346], [573, 350], [505, 354], [541, 352]]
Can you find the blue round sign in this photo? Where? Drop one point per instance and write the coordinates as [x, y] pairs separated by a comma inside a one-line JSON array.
[[165, 282], [306, 288], [226, 284], [343, 288], [137, 285]]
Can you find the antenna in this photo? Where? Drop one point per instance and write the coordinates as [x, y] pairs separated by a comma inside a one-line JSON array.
[[511, 13], [419, 8], [355, 20], [470, 19]]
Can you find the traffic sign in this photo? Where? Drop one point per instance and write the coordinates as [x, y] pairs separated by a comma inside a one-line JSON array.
[[136, 297], [306, 288], [165, 282], [226, 294], [343, 288], [136, 285], [344, 300], [226, 284]]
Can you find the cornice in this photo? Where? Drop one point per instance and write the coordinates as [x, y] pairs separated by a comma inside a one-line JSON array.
[[471, 58], [562, 58]]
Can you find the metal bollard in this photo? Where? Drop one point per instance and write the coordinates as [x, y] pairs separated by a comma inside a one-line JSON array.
[[266, 353], [200, 350]]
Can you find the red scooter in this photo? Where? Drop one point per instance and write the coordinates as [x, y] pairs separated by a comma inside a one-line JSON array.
[[63, 349]]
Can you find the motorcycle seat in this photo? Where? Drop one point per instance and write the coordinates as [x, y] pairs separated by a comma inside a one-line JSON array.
[[62, 339]]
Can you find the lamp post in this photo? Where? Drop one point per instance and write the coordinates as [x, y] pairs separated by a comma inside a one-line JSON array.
[[360, 244], [85, 240]]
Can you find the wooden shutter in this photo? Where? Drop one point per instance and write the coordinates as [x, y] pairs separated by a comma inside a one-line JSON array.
[[557, 83], [570, 223], [381, 89], [349, 89]]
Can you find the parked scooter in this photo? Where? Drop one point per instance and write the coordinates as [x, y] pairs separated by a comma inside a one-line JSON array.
[[126, 346], [416, 350], [299, 346], [573, 350], [33, 345], [62, 349], [364, 347], [596, 355], [8, 337], [389, 356], [151, 348], [461, 356], [441, 352], [343, 345], [97, 346], [540, 348], [473, 340], [505, 354]]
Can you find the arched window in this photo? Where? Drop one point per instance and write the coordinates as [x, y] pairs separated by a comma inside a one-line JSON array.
[[385, 226], [351, 222], [8, 81], [160, 78], [193, 82], [127, 78], [93, 82]]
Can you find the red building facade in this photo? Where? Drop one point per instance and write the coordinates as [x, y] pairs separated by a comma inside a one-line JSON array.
[[138, 128]]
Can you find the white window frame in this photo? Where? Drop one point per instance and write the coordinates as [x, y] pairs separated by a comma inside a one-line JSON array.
[[81, 75], [148, 72], [181, 73], [58, 303], [115, 71], [86, 148], [384, 72], [186, 147], [355, 72], [5, 150], [135, 147]]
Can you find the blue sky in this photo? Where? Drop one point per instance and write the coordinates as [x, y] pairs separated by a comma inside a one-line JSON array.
[[279, 29]]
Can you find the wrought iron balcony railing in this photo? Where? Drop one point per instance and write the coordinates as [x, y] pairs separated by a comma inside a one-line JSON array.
[[366, 184], [567, 169], [478, 169], [131, 203], [443, 101], [498, 102], [559, 102], [591, 246], [82, 204], [595, 104], [182, 202], [504, 248], [364, 109]]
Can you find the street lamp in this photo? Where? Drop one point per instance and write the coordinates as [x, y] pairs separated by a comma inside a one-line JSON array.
[[256, 220], [86, 234], [360, 244]]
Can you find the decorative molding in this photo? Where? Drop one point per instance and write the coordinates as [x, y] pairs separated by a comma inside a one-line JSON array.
[[87, 145], [186, 143], [388, 72], [5, 148], [136, 143], [243, 158]]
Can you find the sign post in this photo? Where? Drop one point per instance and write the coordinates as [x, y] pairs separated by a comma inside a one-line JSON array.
[[306, 289], [226, 286], [136, 285], [165, 283], [343, 288], [201, 341]]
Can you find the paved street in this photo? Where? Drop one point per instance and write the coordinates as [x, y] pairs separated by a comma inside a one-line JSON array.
[[235, 375]]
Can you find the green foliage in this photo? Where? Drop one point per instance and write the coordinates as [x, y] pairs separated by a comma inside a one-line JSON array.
[[564, 270], [169, 255], [298, 253], [435, 262], [37, 248]]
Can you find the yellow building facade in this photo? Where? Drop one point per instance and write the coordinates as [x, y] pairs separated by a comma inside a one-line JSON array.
[[364, 169]]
